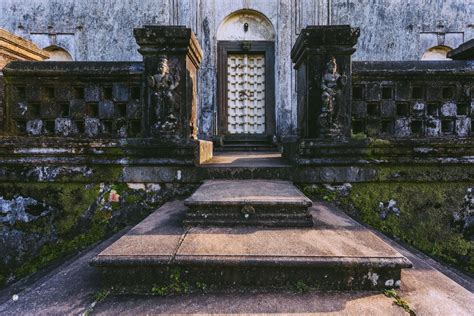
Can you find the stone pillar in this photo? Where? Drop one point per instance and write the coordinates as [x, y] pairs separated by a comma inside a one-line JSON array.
[[171, 56], [322, 58]]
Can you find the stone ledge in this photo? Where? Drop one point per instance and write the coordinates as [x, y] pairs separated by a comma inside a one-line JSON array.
[[248, 202], [336, 253], [465, 51]]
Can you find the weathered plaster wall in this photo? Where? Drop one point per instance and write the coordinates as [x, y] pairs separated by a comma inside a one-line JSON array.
[[405, 29], [88, 29]]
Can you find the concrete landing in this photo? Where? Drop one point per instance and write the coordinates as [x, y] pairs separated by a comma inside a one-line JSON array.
[[248, 202], [246, 160], [70, 289], [336, 253]]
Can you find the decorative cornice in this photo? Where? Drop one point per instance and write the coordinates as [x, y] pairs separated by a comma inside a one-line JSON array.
[[20, 49], [158, 39], [325, 38]]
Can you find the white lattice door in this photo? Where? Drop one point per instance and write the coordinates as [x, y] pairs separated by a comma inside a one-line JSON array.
[[246, 93]]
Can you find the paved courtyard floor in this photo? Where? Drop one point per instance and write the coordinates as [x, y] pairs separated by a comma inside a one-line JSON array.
[[70, 288]]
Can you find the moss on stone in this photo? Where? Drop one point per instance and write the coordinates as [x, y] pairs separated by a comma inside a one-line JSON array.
[[425, 219], [320, 192], [74, 199], [62, 248], [378, 142], [80, 215]]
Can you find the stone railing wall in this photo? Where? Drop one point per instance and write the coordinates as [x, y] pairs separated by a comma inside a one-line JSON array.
[[416, 99], [74, 99]]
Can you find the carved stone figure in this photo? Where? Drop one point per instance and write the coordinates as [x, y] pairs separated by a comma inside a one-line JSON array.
[[332, 84], [164, 84]]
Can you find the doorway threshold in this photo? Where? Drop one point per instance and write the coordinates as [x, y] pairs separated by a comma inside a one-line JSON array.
[[246, 159]]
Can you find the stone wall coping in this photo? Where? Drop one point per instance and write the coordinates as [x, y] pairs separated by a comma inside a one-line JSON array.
[[323, 39], [465, 51], [156, 39], [52, 68], [386, 69]]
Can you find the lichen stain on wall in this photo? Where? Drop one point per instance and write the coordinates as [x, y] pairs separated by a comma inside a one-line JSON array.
[[43, 222]]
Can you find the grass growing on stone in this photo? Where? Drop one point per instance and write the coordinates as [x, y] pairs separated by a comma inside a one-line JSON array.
[[175, 285], [98, 297], [301, 287], [397, 300]]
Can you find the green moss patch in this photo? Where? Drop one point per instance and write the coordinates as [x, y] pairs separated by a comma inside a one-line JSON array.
[[70, 217], [425, 220]]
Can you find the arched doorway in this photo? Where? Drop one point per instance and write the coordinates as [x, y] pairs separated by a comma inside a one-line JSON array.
[[246, 79], [439, 52], [57, 53]]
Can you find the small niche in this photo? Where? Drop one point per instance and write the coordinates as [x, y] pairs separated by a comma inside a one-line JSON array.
[[447, 126], [403, 109], [107, 127], [21, 93], [135, 128], [121, 109], [64, 109], [432, 109], [447, 92], [21, 126], [461, 108], [135, 93], [358, 126], [48, 92], [373, 109], [49, 126], [417, 127], [387, 126], [78, 93], [357, 93], [92, 110], [417, 92], [106, 93], [387, 93], [80, 126], [35, 110]]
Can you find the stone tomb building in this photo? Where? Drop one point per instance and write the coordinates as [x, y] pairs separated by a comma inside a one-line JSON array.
[[247, 82], [345, 94]]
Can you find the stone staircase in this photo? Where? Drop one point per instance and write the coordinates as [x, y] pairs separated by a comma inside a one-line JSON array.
[[232, 143], [250, 233], [271, 203]]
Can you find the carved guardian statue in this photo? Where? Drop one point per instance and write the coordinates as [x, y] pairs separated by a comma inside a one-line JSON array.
[[332, 85], [163, 84]]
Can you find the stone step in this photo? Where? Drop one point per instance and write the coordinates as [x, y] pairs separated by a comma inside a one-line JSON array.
[[336, 253], [248, 202]]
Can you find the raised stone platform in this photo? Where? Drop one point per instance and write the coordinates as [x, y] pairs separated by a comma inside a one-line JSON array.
[[248, 202], [337, 253]]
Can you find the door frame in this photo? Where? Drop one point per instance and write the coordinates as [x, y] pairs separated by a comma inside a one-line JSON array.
[[243, 47]]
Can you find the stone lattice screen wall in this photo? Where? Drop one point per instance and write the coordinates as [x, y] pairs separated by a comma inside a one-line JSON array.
[[413, 99], [74, 99]]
